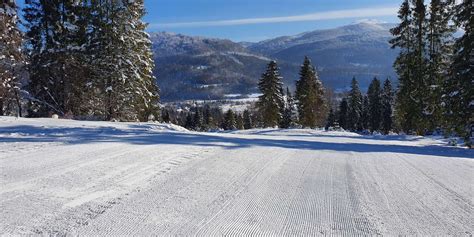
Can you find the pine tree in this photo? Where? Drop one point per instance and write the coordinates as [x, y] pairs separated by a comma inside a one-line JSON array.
[[229, 120], [404, 37], [247, 120], [289, 115], [458, 89], [239, 122], [331, 119], [343, 118], [387, 107], [440, 45], [189, 122], [55, 63], [375, 105], [365, 115], [197, 120], [12, 60], [145, 90], [271, 102], [166, 116], [207, 118], [355, 101], [311, 103]]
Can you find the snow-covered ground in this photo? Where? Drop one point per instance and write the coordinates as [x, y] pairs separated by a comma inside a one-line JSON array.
[[100, 178]]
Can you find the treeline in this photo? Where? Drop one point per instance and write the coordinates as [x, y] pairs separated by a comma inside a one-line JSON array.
[[85, 59], [435, 69]]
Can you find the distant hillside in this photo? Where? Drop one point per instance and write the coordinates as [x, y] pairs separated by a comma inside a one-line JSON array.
[[203, 68]]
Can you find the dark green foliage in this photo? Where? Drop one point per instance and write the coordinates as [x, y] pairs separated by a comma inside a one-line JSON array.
[[229, 121], [365, 115], [343, 118], [289, 113], [239, 122], [331, 119], [387, 107], [355, 101], [459, 90], [90, 59], [12, 60], [311, 103], [271, 103], [197, 120], [248, 124], [374, 95]]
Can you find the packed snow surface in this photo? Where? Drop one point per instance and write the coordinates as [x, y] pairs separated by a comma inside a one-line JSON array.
[[62, 177]]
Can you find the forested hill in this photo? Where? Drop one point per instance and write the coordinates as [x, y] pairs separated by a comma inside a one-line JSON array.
[[201, 68]]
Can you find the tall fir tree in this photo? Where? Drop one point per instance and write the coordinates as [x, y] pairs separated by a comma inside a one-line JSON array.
[[458, 90], [312, 107], [365, 116], [387, 107], [404, 37], [331, 119], [12, 60], [289, 114], [374, 95], [343, 114], [54, 50], [271, 103], [440, 46], [229, 120], [355, 102], [248, 124]]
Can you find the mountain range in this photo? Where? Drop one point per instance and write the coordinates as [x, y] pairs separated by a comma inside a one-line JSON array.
[[190, 67]]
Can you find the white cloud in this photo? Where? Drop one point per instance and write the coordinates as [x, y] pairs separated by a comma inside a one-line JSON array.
[[328, 15]]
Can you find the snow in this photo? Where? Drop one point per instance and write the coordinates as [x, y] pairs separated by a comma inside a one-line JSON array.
[[61, 177]]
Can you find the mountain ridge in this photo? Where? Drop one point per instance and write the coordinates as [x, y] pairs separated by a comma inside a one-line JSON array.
[[196, 67]]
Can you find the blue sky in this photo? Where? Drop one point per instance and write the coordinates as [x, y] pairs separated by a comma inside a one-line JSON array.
[[235, 19], [255, 20]]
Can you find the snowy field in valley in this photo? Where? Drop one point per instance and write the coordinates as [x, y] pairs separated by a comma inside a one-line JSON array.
[[99, 178]]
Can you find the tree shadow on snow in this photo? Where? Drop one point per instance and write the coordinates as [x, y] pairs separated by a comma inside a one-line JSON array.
[[140, 135]]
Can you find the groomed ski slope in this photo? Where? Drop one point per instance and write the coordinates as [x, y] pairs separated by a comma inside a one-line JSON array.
[[97, 178]]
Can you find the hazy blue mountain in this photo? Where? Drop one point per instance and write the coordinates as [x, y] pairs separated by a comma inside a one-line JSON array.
[[202, 68]]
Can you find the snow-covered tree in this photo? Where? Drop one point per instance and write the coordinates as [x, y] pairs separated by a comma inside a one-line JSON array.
[[458, 90], [312, 107], [229, 120], [271, 103], [12, 60], [289, 114]]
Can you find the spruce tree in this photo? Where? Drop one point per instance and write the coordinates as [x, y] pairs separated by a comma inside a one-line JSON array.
[[310, 98], [343, 118], [207, 118], [440, 45], [289, 115], [239, 122], [55, 62], [355, 102], [375, 105], [197, 120], [458, 90], [387, 107], [365, 115], [12, 60], [271, 102], [404, 37], [331, 119], [229, 120], [247, 120]]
